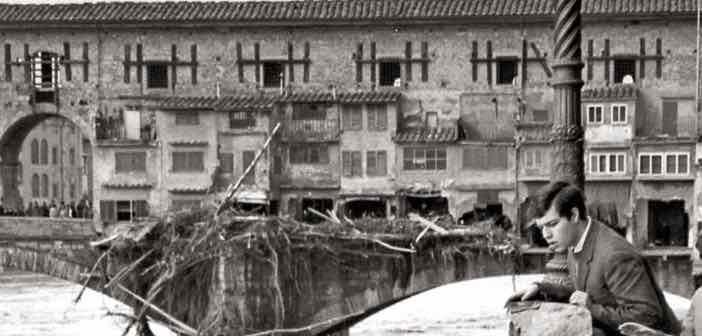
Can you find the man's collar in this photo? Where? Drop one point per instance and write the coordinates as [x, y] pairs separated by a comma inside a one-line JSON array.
[[579, 247]]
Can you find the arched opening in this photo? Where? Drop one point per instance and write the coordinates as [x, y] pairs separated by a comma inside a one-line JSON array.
[[39, 166]]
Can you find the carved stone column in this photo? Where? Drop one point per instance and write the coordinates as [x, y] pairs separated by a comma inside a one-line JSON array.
[[567, 132]]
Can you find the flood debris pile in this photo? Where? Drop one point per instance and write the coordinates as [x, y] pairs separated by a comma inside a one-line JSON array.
[[171, 269]]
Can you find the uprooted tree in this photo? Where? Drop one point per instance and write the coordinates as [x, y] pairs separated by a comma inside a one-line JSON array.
[[171, 269]]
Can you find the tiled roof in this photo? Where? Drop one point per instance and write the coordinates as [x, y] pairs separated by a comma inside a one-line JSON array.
[[124, 184], [188, 142], [246, 102], [320, 10], [189, 189], [428, 135], [370, 97], [186, 103], [343, 97], [258, 102], [617, 91]]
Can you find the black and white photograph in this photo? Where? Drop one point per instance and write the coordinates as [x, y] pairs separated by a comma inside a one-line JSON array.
[[350, 167]]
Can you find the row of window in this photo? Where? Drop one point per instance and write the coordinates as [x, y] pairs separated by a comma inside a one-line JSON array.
[[376, 118], [226, 164], [352, 117], [40, 187], [129, 210], [376, 163], [595, 116], [38, 156], [649, 163], [671, 163], [424, 159], [46, 72]]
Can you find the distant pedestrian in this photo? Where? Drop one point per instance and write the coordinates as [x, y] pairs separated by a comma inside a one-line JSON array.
[[53, 210]]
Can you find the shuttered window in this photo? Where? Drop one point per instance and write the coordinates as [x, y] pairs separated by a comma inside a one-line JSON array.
[[351, 162], [188, 161], [309, 154], [484, 158], [130, 162], [226, 163], [376, 163], [247, 157], [123, 210], [377, 117], [351, 118], [424, 159]]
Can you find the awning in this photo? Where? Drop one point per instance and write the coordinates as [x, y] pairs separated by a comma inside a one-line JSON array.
[[251, 196]]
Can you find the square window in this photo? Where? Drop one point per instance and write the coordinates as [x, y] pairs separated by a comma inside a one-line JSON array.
[[671, 164], [624, 67], [594, 114], [618, 114], [157, 76], [645, 164], [656, 164], [389, 72], [506, 71], [682, 163], [273, 74]]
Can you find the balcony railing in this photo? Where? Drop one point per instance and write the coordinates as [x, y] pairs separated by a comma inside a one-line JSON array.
[[311, 130], [114, 129]]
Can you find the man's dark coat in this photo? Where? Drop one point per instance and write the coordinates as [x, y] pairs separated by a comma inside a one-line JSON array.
[[619, 282]]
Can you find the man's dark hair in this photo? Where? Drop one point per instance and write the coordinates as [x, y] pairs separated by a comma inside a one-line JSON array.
[[563, 196]]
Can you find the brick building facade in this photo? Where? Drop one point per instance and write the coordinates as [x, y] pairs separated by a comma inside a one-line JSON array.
[[386, 107]]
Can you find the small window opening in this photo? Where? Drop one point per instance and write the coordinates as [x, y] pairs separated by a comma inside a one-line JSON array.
[[389, 72], [273, 74], [157, 76]]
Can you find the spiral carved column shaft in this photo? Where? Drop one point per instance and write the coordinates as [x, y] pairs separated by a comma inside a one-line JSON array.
[[567, 132]]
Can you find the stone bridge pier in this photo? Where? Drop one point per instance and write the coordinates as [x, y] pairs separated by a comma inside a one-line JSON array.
[[329, 292]]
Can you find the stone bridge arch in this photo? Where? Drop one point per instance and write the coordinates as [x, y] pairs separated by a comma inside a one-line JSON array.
[[14, 128]]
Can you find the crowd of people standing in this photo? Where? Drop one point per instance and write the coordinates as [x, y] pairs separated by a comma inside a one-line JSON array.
[[82, 209]]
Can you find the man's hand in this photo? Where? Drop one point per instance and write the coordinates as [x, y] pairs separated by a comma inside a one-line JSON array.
[[524, 294], [579, 298]]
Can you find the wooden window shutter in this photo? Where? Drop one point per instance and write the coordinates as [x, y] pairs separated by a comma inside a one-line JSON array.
[[381, 163], [247, 158], [107, 211], [346, 163], [371, 163], [356, 168], [670, 117], [67, 66]]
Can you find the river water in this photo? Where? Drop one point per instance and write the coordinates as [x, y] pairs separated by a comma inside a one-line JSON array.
[[38, 305], [472, 307]]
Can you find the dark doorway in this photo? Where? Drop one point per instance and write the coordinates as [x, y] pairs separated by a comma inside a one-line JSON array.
[[365, 208], [319, 204], [668, 223]]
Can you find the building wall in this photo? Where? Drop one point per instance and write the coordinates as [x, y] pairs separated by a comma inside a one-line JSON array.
[[63, 136], [365, 140], [236, 141], [450, 90], [608, 131]]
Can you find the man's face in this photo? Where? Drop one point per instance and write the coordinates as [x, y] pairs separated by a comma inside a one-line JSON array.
[[560, 232]]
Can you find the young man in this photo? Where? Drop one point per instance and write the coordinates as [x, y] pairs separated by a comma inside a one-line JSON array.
[[611, 279]]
